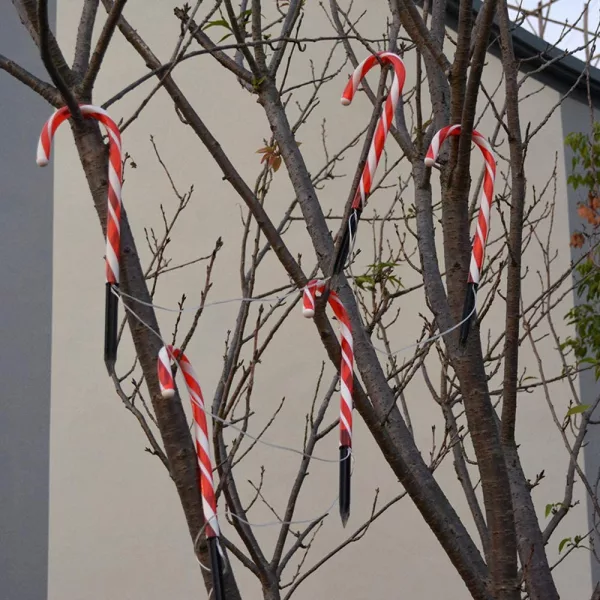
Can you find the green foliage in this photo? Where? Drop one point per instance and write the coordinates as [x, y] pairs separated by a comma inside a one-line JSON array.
[[577, 410], [256, 83], [552, 508], [586, 316], [223, 22], [574, 542], [378, 274], [586, 159]]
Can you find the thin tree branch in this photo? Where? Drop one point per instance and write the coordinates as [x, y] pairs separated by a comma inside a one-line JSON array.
[[288, 26], [211, 48], [83, 45], [358, 534], [259, 50], [101, 47], [50, 53], [130, 406], [417, 30], [461, 60], [45, 90], [240, 39], [277, 561], [515, 238]]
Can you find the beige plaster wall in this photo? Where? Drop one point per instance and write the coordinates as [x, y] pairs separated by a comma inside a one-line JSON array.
[[116, 529]]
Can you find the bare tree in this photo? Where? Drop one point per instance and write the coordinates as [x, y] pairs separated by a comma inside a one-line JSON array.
[[503, 554]]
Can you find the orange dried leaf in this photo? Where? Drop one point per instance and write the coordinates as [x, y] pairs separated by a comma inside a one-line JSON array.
[[577, 240], [585, 212]]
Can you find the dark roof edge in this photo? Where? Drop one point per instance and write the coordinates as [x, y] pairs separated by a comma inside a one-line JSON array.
[[560, 74]]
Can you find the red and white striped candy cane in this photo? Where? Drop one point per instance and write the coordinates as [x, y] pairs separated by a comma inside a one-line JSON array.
[[377, 143], [114, 176], [311, 291], [387, 115], [113, 225], [166, 356], [483, 218]]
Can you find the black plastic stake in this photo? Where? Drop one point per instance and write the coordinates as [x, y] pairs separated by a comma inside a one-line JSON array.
[[345, 475], [349, 234], [468, 311], [216, 568], [111, 322]]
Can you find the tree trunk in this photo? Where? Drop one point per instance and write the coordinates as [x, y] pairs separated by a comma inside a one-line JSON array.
[[171, 419]]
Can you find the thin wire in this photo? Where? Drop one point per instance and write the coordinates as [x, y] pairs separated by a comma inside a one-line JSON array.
[[216, 303], [280, 299], [433, 337], [422, 342], [196, 540], [267, 524], [229, 423], [298, 522], [277, 446], [219, 547], [301, 521], [279, 522]]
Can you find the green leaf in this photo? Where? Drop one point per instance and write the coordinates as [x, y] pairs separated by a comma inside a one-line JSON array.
[[578, 409], [364, 282], [217, 23], [256, 83], [563, 543], [549, 508]]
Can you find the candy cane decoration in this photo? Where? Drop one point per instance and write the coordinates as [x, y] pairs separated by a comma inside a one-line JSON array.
[[166, 356], [376, 149], [483, 219], [311, 291], [113, 225]]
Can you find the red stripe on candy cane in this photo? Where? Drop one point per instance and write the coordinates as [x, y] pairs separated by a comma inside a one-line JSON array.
[[487, 193], [115, 174], [311, 291], [166, 356], [387, 116]]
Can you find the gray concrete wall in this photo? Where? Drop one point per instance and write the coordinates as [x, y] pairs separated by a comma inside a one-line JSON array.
[[26, 196]]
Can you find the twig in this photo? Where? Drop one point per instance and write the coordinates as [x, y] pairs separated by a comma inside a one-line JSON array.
[[83, 44], [48, 58], [101, 47], [45, 90]]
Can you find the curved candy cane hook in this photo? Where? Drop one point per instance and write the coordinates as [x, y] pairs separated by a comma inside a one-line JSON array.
[[376, 149], [483, 219], [313, 289], [113, 225], [166, 356]]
